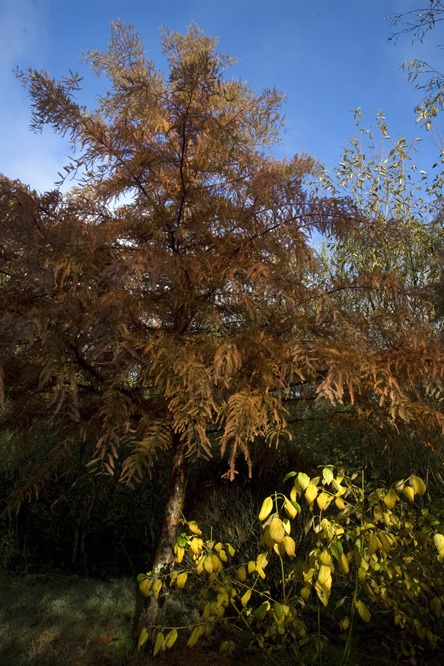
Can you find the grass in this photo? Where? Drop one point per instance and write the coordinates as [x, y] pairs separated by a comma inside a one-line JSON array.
[[55, 619], [59, 620]]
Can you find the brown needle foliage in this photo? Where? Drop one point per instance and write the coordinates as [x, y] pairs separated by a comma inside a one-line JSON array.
[[174, 298]]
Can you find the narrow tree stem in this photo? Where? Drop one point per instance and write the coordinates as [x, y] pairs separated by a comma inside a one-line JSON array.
[[153, 611]]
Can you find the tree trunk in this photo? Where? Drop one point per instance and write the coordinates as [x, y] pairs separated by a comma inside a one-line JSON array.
[[153, 610]]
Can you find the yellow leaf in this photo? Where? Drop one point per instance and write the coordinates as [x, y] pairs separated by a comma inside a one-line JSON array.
[[251, 566], [158, 643], [242, 574], [373, 543], [378, 512], [222, 597], [328, 529], [325, 558], [145, 586], [418, 485], [260, 571], [438, 540], [292, 511], [208, 565], [223, 555], [279, 549], [343, 563], [386, 518], [266, 508], [363, 611], [217, 564], [170, 638], [143, 637], [179, 554], [303, 480], [246, 598], [194, 527], [340, 504], [231, 550], [340, 490], [200, 564], [308, 575], [323, 591], [391, 498], [305, 593], [290, 546], [295, 492], [324, 574], [345, 623], [409, 493], [266, 538], [311, 493], [385, 543], [196, 546], [262, 560], [195, 635], [277, 531], [157, 586], [182, 579], [323, 500]]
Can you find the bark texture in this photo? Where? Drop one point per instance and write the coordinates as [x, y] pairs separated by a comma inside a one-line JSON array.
[[154, 608]]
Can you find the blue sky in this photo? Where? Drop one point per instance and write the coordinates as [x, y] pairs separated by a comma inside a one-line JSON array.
[[327, 56]]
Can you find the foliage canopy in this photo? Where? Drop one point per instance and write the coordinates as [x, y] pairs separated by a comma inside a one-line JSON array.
[[176, 292], [174, 299]]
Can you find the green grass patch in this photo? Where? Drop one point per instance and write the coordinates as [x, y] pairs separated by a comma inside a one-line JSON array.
[[59, 620], [55, 619]]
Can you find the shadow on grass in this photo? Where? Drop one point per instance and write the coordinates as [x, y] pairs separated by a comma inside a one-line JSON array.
[[55, 620], [61, 620]]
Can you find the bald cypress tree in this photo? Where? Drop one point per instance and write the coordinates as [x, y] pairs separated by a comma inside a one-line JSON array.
[[174, 299]]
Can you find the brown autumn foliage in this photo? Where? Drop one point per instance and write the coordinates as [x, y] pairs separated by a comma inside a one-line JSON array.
[[174, 298]]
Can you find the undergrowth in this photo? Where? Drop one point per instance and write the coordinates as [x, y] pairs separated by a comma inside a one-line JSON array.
[[369, 566]]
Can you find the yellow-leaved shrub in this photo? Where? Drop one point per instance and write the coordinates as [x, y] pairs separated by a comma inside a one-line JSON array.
[[378, 548]]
